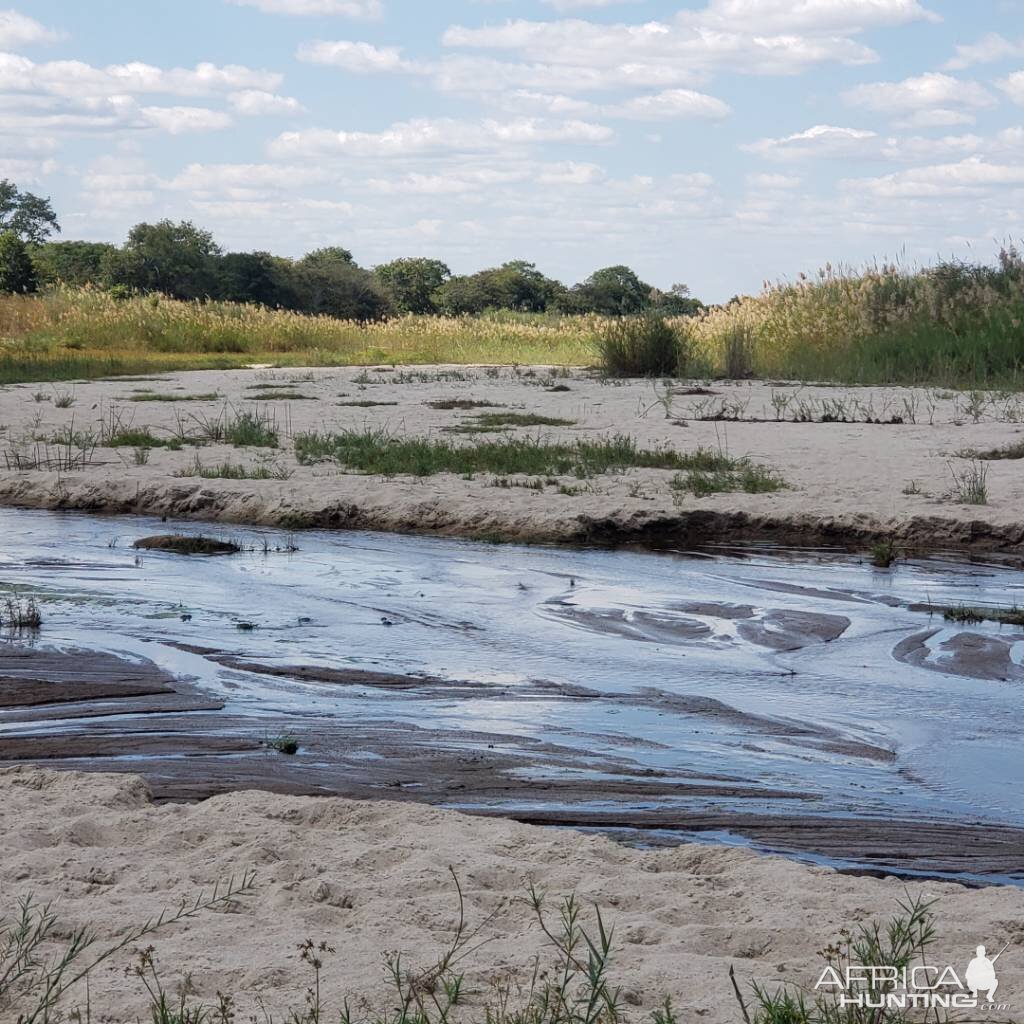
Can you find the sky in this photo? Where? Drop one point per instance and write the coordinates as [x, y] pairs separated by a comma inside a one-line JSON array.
[[716, 143]]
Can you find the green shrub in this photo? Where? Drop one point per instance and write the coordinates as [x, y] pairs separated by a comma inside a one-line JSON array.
[[646, 346]]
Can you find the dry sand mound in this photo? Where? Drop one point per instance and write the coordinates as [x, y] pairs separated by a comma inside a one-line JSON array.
[[371, 876]]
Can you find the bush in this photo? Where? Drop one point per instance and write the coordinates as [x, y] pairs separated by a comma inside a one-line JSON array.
[[645, 346]]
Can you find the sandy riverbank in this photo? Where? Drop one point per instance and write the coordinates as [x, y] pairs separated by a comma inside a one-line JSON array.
[[849, 482], [367, 877]]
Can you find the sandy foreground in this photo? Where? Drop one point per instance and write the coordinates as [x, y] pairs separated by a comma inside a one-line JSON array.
[[371, 876], [849, 482]]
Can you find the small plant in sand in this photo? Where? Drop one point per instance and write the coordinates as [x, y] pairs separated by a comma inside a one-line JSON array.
[[35, 980], [283, 743], [970, 485]]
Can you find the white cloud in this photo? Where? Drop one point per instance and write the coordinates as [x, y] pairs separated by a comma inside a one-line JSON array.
[[822, 140], [809, 15], [258, 103], [973, 176], [1013, 86], [76, 80], [361, 58], [439, 135], [927, 100], [183, 120], [20, 30], [671, 103], [363, 9], [986, 50], [576, 5]]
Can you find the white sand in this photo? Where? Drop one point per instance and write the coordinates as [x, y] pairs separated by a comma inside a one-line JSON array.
[[367, 877], [847, 480]]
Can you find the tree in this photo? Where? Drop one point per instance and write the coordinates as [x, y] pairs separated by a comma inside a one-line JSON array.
[[332, 287], [72, 263], [613, 291], [175, 259], [256, 277], [677, 301], [331, 255], [30, 218], [412, 282], [515, 285], [17, 274]]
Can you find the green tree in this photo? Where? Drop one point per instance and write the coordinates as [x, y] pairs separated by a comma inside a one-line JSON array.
[[613, 291], [412, 282], [17, 274], [338, 288], [516, 285], [256, 277], [31, 218], [677, 301], [175, 259], [72, 263], [331, 255]]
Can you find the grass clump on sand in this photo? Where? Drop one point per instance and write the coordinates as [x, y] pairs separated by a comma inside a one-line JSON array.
[[378, 452], [233, 471], [970, 485], [644, 346], [152, 396], [461, 403], [182, 544], [731, 475]]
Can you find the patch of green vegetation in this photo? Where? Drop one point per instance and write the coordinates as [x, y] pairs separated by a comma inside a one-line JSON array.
[[251, 430], [141, 437], [152, 396], [496, 420], [640, 346], [884, 553], [281, 396], [366, 404], [284, 743], [461, 403], [233, 471], [379, 453], [740, 475]]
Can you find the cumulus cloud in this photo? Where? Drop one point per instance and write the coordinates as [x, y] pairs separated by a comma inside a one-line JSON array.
[[577, 5], [183, 120], [973, 176], [437, 135], [18, 29], [258, 103], [362, 9], [925, 100], [77, 80], [361, 58], [1013, 86], [821, 140], [200, 177], [809, 15], [986, 50], [671, 103]]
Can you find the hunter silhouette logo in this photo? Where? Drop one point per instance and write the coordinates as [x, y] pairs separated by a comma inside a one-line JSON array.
[[981, 973], [922, 986]]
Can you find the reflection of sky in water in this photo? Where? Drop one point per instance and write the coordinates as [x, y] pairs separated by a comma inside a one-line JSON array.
[[504, 617]]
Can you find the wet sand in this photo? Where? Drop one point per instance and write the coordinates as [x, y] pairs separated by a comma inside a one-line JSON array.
[[134, 717]]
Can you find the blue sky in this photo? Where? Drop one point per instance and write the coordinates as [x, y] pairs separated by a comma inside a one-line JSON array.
[[715, 142]]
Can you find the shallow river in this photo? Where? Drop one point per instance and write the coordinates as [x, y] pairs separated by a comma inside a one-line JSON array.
[[715, 686]]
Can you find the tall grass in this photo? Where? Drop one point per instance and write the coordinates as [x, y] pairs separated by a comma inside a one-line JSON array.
[[955, 324], [67, 334]]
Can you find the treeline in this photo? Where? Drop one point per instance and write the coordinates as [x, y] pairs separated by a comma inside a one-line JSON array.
[[183, 261]]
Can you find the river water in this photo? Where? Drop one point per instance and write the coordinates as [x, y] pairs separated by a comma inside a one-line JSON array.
[[761, 681]]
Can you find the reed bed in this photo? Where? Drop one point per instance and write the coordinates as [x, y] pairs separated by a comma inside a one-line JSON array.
[[69, 334]]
